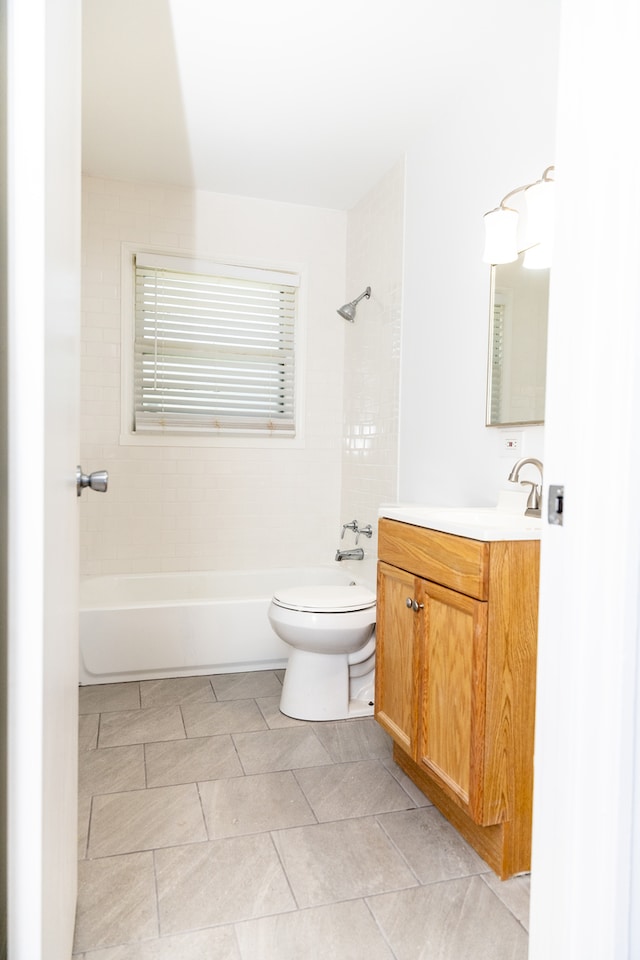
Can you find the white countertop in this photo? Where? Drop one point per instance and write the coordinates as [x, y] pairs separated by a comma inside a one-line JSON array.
[[477, 523]]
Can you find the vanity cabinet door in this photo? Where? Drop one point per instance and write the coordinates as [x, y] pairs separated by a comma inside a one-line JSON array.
[[397, 657], [451, 743]]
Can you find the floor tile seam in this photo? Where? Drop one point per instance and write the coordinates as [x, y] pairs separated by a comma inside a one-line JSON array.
[[304, 794], [456, 879], [184, 724], [500, 900], [85, 843], [159, 705], [154, 850], [98, 731], [145, 766], [401, 784], [318, 906], [380, 930], [325, 823], [202, 810], [150, 743], [237, 752], [396, 847], [155, 892], [221, 925], [284, 873], [161, 786], [88, 835], [262, 713], [354, 816]]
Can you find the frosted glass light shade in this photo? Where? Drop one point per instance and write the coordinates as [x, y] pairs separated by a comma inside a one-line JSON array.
[[500, 229]]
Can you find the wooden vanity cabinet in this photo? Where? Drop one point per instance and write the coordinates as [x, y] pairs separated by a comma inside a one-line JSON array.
[[455, 679]]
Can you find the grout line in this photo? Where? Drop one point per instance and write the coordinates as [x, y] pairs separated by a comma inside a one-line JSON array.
[[483, 877], [184, 725], [204, 816], [284, 869], [157, 895], [365, 900]]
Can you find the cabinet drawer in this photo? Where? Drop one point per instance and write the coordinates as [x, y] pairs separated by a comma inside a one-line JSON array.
[[454, 562]]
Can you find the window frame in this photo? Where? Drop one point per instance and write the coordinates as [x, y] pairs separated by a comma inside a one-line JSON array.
[[197, 438]]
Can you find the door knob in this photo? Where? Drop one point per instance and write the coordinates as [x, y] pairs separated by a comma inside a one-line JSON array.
[[98, 480]]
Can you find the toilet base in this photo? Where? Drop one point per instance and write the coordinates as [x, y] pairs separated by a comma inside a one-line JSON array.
[[360, 708], [316, 687], [356, 708]]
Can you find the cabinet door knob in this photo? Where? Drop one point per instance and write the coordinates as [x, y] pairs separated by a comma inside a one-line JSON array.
[[409, 602], [417, 606]]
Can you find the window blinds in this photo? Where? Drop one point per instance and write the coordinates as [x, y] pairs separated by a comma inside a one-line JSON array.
[[214, 351], [497, 362]]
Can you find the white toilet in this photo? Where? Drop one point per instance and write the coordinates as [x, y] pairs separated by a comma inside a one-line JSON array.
[[331, 668]]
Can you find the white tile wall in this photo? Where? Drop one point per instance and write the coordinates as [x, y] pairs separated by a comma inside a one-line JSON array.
[[372, 353], [184, 508]]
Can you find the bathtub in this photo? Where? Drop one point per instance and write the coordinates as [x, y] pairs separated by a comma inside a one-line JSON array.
[[150, 626]]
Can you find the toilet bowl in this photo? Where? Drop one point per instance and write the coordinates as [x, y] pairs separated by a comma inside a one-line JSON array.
[[331, 667]]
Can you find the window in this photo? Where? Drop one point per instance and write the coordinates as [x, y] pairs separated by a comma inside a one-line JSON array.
[[214, 348]]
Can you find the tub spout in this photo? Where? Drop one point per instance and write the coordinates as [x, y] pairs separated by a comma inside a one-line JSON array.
[[356, 554]]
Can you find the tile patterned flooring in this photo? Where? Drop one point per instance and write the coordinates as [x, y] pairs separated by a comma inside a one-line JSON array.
[[212, 827]]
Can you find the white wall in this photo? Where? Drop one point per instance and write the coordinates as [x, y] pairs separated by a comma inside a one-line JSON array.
[[499, 135], [372, 355], [189, 508]]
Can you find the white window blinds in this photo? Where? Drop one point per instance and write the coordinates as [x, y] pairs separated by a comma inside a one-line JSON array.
[[214, 348], [497, 361]]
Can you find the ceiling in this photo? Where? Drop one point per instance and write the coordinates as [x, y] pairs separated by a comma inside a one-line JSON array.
[[306, 102]]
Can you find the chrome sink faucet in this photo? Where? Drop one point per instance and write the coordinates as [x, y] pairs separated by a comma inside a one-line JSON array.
[[535, 494]]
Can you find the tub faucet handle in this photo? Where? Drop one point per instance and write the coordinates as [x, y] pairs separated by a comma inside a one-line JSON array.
[[366, 531], [349, 526]]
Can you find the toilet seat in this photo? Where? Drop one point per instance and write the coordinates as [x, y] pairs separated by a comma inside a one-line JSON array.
[[325, 599]]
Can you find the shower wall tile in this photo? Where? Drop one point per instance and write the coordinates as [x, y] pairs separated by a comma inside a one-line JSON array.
[[174, 508], [372, 353]]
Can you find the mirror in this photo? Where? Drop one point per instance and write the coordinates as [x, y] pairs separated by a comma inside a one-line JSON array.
[[517, 344]]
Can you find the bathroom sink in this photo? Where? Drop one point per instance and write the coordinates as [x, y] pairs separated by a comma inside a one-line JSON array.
[[478, 523]]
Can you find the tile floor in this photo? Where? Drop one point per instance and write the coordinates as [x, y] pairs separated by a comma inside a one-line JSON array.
[[212, 827]]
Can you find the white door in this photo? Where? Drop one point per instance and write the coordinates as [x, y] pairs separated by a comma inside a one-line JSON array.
[[43, 160], [584, 903]]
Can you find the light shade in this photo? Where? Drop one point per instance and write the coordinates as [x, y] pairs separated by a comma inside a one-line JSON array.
[[500, 243]]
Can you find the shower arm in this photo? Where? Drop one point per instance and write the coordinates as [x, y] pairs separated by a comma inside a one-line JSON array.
[[367, 294]]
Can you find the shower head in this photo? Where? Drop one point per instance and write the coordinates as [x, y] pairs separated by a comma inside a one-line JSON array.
[[348, 311]]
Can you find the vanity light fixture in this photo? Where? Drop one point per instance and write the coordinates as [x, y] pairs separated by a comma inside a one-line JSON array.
[[501, 226]]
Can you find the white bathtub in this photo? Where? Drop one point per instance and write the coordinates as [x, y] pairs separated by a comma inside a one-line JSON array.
[[149, 626]]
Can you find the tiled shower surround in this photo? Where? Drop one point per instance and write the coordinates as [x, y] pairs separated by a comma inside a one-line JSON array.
[[178, 508], [372, 352]]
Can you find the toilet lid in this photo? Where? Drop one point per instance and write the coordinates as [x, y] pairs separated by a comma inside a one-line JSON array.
[[325, 599]]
